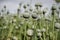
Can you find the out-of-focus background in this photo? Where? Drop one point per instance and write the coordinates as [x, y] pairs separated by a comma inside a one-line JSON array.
[[12, 5]]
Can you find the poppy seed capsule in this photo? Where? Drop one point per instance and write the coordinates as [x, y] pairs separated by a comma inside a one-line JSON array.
[[30, 9], [45, 10], [14, 20], [14, 38], [24, 6], [57, 25], [16, 27], [38, 30], [4, 6], [7, 12], [4, 27], [39, 34], [20, 4], [21, 23], [18, 9], [26, 15], [34, 15], [48, 19], [43, 30], [38, 4], [30, 32], [54, 7]]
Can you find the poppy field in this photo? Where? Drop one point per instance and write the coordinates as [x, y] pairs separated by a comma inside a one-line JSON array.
[[31, 24]]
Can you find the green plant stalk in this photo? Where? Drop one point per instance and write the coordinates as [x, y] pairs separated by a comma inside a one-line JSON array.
[[53, 25], [25, 24], [2, 35], [10, 30], [42, 23], [41, 27], [35, 28], [44, 36], [47, 31], [20, 30], [56, 35]]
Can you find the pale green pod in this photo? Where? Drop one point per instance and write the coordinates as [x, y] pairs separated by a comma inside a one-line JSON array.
[[30, 32]]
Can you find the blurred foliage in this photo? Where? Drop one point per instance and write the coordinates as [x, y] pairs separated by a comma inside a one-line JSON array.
[[57, 0]]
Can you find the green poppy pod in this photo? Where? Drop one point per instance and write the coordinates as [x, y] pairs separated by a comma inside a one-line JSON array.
[[34, 15], [57, 25], [38, 4], [18, 9], [4, 6], [45, 10], [21, 23], [54, 7], [13, 21], [26, 15], [20, 4], [7, 12], [5, 27], [35, 11], [43, 30], [48, 19], [25, 6], [30, 32], [38, 30], [14, 16], [14, 38], [31, 9], [16, 27], [39, 34]]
